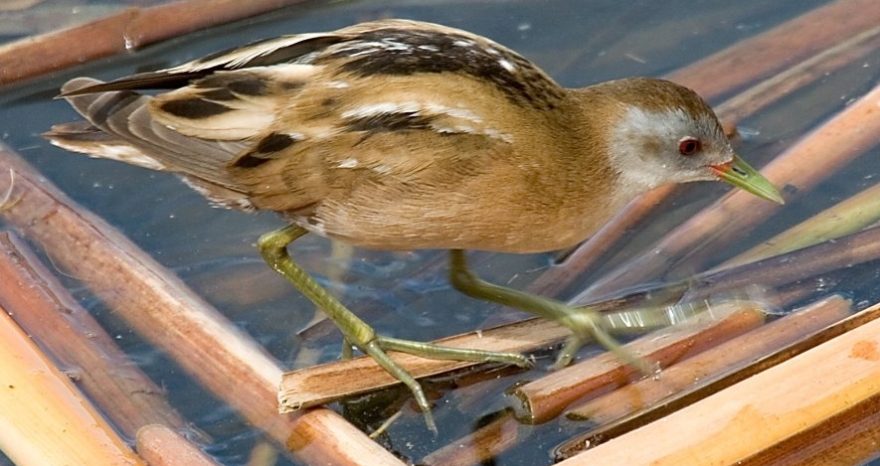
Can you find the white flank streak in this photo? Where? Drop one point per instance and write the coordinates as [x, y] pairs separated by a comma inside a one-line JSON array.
[[383, 108], [462, 113], [429, 48], [350, 162], [337, 84], [495, 134], [393, 45], [463, 43], [240, 56], [288, 72], [507, 65]]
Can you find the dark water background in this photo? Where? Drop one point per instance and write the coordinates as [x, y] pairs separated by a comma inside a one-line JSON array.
[[577, 42]]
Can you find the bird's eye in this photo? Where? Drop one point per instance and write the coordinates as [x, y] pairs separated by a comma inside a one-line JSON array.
[[689, 145]]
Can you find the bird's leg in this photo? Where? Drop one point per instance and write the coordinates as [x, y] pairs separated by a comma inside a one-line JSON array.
[[583, 322], [273, 247]]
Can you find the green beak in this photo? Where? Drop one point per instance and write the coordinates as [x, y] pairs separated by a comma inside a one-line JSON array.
[[740, 174]]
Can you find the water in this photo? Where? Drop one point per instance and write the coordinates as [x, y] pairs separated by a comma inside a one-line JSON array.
[[576, 42]]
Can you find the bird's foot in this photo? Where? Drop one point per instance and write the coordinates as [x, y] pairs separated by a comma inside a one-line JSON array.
[[378, 346]]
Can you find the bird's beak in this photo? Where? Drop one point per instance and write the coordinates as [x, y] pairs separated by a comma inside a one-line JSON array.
[[740, 174]]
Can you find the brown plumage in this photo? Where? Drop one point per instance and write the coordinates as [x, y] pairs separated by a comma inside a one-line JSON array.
[[401, 135]]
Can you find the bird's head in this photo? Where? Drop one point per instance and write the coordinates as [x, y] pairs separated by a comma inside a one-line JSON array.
[[665, 133]]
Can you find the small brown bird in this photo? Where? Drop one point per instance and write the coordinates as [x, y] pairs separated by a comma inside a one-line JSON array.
[[404, 135]]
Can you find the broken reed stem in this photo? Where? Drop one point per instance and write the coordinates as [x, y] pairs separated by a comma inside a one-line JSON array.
[[166, 312], [45, 420], [121, 32], [815, 157], [332, 381], [749, 417], [543, 399], [161, 446], [709, 365], [843, 218], [860, 41], [52, 317]]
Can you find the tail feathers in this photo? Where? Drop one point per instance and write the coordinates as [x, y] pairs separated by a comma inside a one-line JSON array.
[[119, 126], [83, 137]]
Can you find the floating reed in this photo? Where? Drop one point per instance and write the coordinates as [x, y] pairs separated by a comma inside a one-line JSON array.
[[545, 398], [121, 32], [761, 411], [711, 364], [843, 218], [161, 446], [46, 420], [46, 311], [162, 309]]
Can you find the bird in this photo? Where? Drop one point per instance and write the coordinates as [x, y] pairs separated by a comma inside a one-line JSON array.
[[403, 135]]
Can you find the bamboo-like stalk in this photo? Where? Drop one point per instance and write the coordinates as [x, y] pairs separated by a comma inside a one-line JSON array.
[[815, 157], [47, 312], [843, 218], [779, 48], [328, 382], [121, 32], [545, 398], [749, 417], [162, 309], [161, 446], [712, 363], [811, 69], [45, 419], [847, 438]]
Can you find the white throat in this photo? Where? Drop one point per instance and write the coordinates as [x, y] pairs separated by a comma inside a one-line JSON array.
[[644, 143]]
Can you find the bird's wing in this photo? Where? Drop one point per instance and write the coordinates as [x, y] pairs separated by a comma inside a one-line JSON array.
[[290, 120]]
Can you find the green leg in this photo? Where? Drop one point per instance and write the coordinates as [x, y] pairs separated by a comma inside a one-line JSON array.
[[273, 247], [583, 322]]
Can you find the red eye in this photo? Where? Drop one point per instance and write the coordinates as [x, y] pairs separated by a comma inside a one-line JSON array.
[[689, 145]]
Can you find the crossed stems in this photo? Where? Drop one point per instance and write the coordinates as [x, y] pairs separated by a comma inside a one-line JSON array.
[[583, 322]]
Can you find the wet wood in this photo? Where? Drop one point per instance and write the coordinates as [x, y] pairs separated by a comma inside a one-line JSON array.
[[328, 382], [813, 159], [481, 446], [46, 420], [160, 307], [804, 263], [543, 399], [779, 48], [161, 446], [47, 312], [847, 438], [821, 383], [711, 364], [816, 67], [843, 218], [122, 32]]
